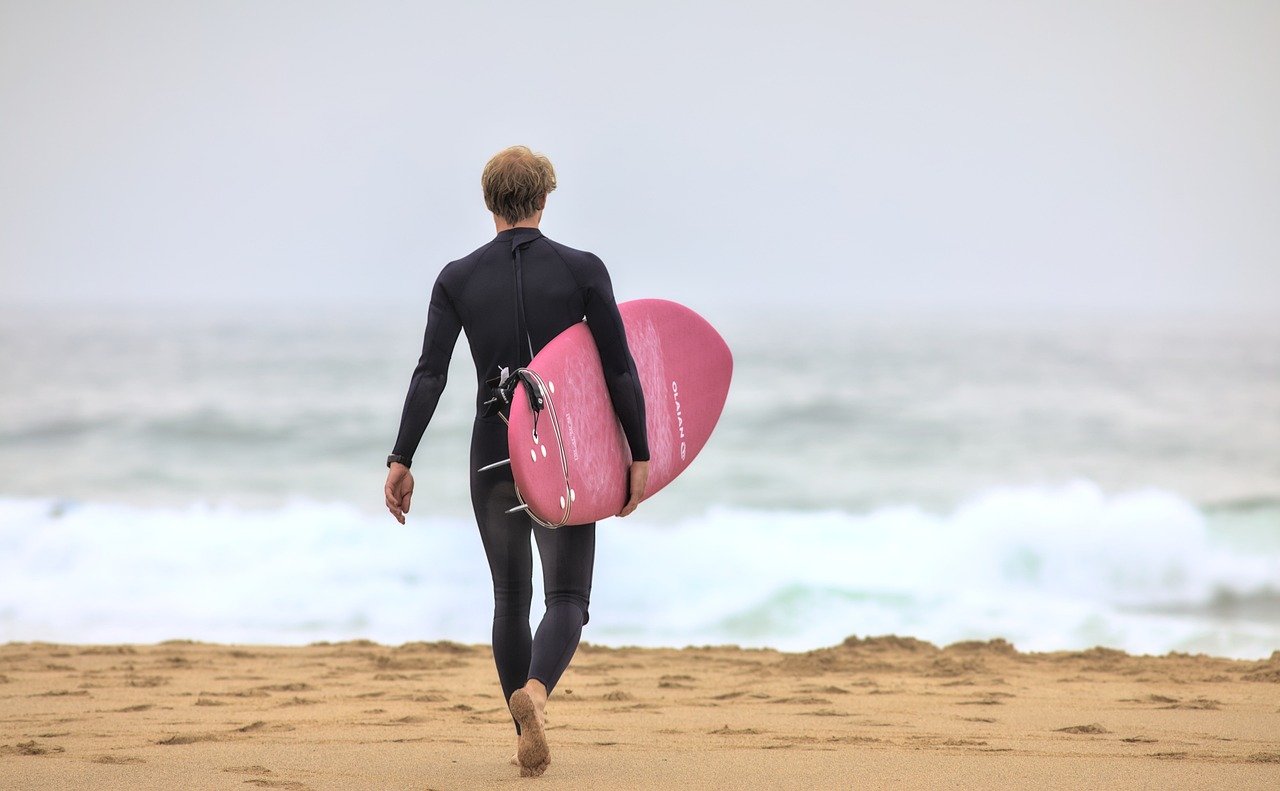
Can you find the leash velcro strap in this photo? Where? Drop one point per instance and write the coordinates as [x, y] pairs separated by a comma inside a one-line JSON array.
[[504, 389], [531, 389]]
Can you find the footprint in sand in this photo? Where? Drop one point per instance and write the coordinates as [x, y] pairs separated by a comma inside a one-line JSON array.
[[298, 701], [190, 738], [728, 696], [117, 759], [244, 693], [827, 690], [248, 770], [853, 739], [147, 682], [1198, 704], [261, 780], [30, 748], [727, 731], [261, 725], [1092, 728], [825, 713], [986, 699], [294, 687]]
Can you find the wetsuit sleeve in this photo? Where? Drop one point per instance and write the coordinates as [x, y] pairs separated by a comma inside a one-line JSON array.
[[620, 373], [431, 372]]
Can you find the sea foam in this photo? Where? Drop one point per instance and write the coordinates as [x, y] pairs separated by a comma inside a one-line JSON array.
[[1047, 568]]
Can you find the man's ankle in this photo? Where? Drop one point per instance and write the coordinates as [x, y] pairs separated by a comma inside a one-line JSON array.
[[536, 689]]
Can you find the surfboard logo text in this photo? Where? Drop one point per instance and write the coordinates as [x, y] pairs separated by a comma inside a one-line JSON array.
[[675, 394]]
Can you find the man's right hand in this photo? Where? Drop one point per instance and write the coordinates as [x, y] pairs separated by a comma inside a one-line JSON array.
[[399, 490], [639, 480]]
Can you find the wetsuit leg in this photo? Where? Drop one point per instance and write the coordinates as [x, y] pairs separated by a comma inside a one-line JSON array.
[[568, 555], [506, 545]]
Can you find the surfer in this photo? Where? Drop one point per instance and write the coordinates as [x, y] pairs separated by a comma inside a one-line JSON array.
[[558, 287]]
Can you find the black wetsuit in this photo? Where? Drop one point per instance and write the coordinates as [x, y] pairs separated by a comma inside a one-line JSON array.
[[478, 294]]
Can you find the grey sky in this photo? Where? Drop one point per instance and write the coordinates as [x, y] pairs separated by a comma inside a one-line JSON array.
[[895, 155]]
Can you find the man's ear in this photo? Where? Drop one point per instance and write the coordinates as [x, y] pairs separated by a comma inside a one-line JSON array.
[[542, 202]]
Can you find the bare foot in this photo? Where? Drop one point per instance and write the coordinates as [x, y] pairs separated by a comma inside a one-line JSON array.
[[515, 756], [533, 754]]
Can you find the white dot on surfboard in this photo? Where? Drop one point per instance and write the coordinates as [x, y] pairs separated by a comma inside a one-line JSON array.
[[572, 495], [533, 454], [551, 386], [562, 501], [544, 450]]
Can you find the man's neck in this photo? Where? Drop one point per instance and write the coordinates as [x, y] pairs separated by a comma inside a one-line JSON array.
[[528, 222]]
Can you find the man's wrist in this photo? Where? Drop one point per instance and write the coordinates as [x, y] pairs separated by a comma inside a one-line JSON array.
[[396, 458]]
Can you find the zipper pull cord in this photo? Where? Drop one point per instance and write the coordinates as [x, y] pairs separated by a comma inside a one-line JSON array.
[[521, 316]]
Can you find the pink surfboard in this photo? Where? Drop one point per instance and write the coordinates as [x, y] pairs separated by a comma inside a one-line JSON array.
[[570, 460]]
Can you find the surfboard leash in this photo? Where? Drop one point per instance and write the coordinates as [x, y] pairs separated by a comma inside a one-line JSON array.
[[545, 402], [537, 391]]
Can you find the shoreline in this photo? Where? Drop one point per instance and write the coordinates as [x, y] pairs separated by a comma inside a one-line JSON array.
[[875, 712]]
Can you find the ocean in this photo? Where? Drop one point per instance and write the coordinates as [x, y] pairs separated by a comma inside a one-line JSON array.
[[1061, 482]]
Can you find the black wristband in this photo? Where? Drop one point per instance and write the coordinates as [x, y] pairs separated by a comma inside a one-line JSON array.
[[394, 458]]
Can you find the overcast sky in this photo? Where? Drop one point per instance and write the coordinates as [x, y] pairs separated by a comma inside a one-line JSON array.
[[896, 155]]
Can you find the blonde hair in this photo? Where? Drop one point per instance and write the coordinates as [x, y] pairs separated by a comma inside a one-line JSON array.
[[515, 182]]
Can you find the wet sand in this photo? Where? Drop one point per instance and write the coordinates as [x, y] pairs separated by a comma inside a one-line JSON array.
[[885, 712]]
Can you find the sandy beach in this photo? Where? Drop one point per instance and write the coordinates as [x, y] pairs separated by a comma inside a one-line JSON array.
[[883, 712]]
